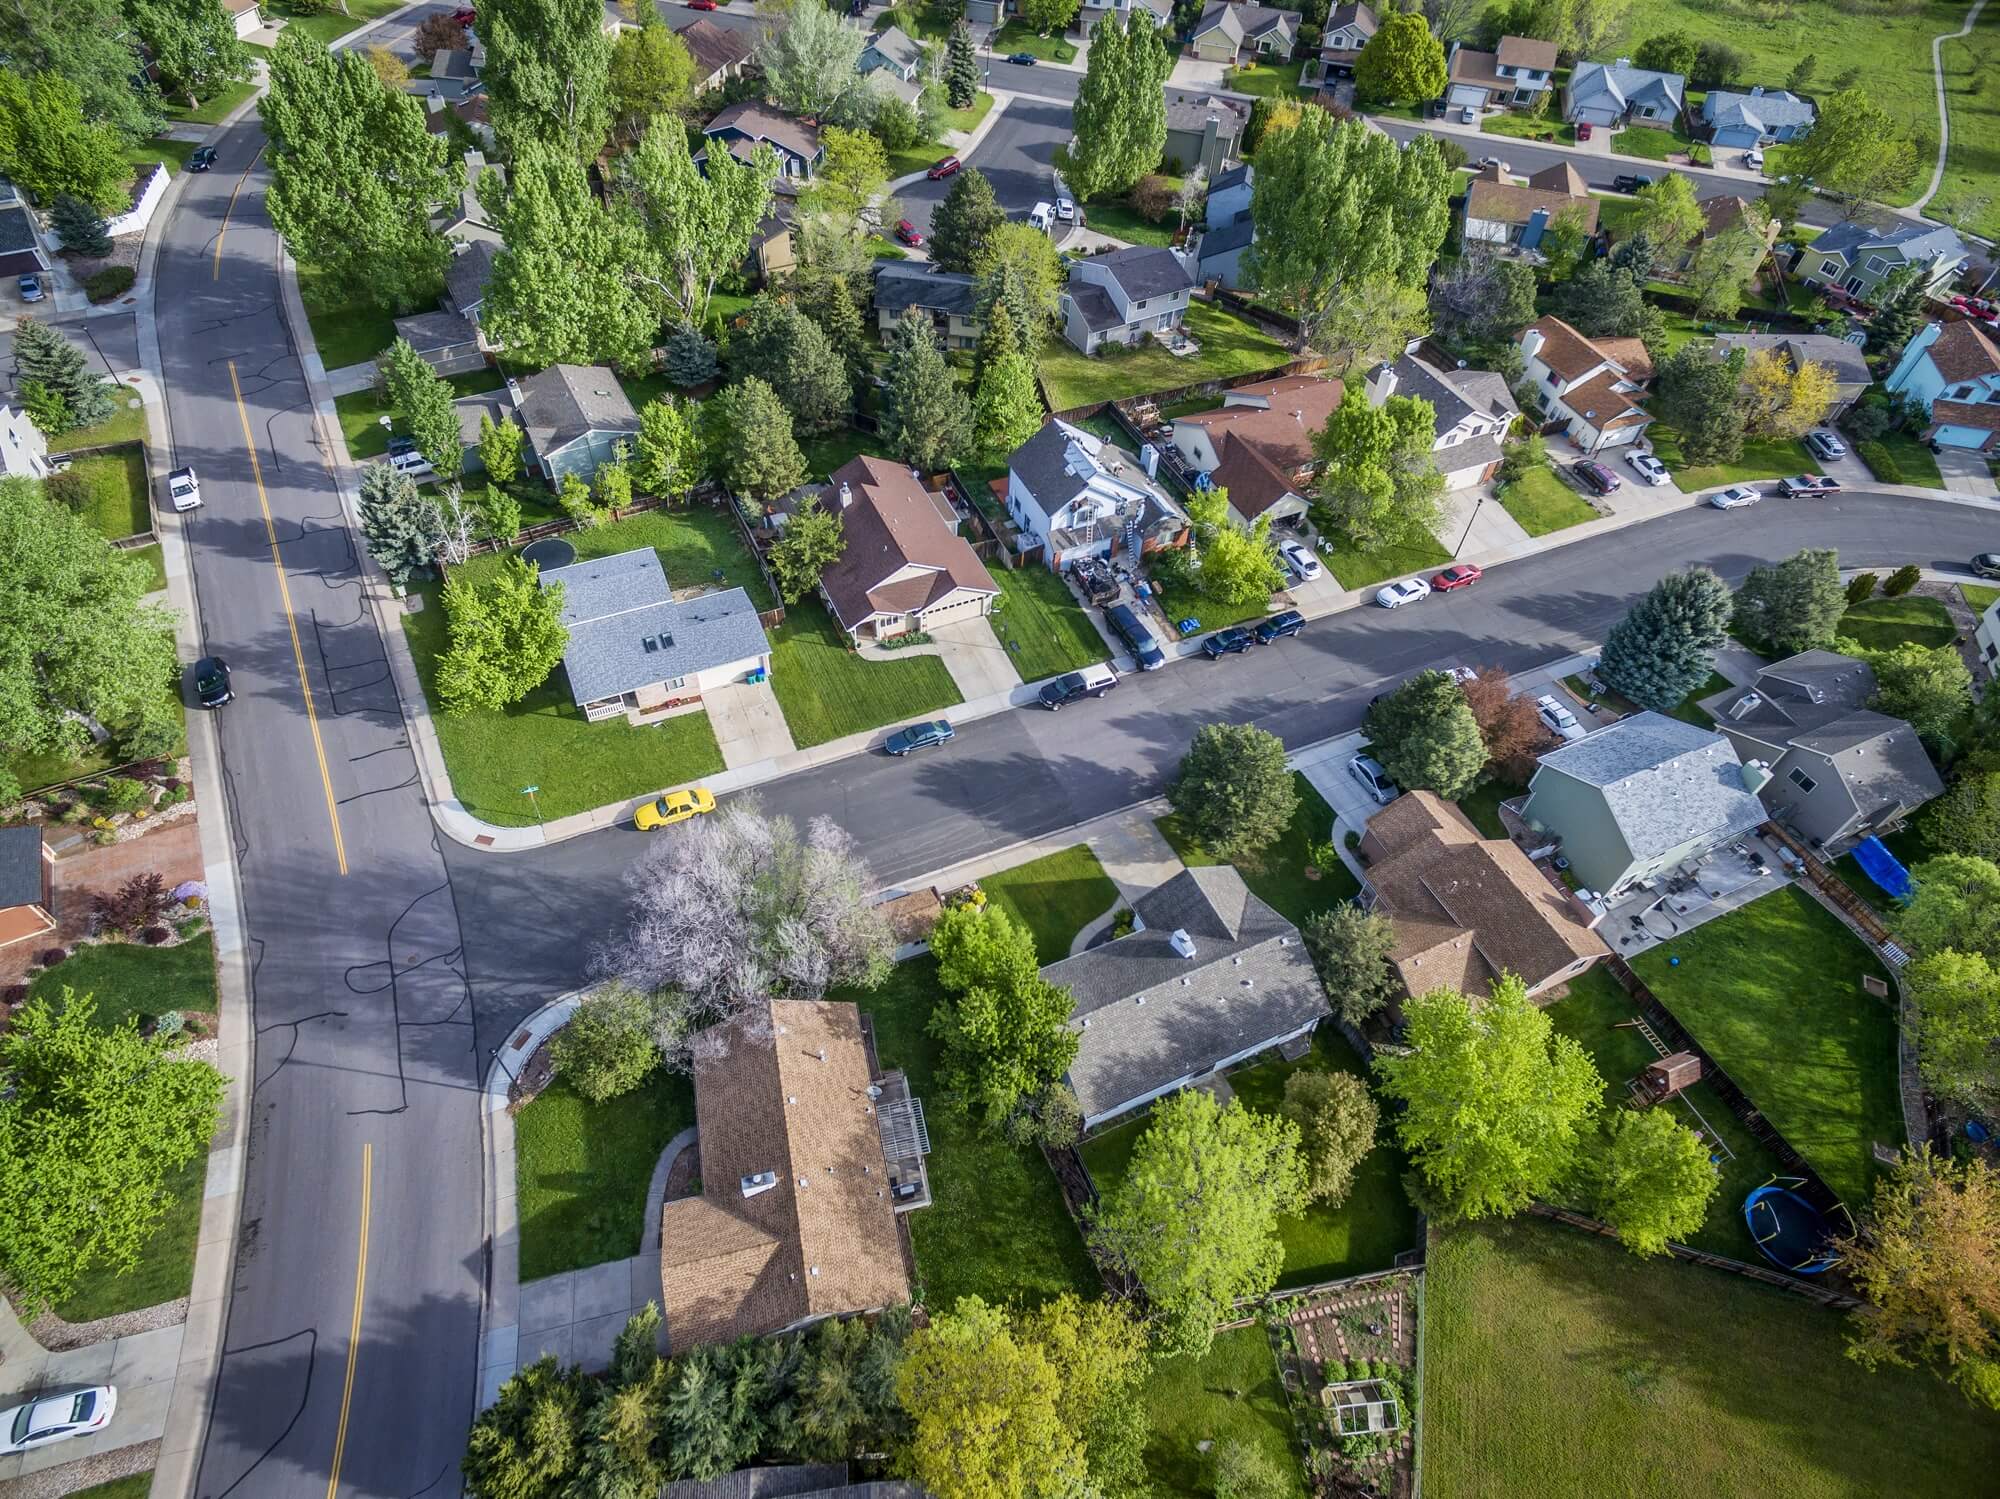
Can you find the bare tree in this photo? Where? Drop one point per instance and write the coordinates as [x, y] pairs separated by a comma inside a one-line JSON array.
[[737, 908], [454, 526], [1194, 190]]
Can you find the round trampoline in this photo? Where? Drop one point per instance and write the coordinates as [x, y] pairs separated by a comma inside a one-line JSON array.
[[1793, 1234], [549, 552]]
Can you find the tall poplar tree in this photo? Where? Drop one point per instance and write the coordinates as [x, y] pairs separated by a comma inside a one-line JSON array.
[[547, 73], [1121, 108]]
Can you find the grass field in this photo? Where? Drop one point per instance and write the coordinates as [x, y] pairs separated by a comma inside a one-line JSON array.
[[1977, 595], [126, 424], [1658, 145], [361, 412], [1355, 567], [1882, 624], [172, 153], [345, 332], [1230, 1394], [1040, 623], [1972, 157], [1526, 127], [1018, 36], [214, 110], [1120, 220], [1229, 346], [1277, 874], [1054, 897], [1543, 503], [331, 25], [165, 1270], [1558, 1365], [156, 563], [828, 691], [581, 1169], [1180, 600], [1482, 805], [130, 979], [1773, 992], [1762, 458], [136, 1486], [1915, 462], [118, 504], [1267, 80]]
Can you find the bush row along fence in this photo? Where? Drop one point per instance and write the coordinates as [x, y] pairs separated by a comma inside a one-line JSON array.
[[1838, 1301]]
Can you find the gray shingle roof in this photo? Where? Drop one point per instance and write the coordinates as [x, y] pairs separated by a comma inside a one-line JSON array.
[[1145, 271], [901, 284], [1229, 237], [20, 866], [1095, 307], [1235, 176], [625, 631], [1621, 86], [894, 48], [1916, 241], [428, 332], [1043, 465], [568, 401], [1664, 781], [1766, 111], [1837, 354], [1455, 394], [17, 231], [1249, 983], [1189, 111], [466, 277]]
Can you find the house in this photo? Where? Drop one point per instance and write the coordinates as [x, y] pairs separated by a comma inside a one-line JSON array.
[[1858, 259], [576, 416], [719, 55], [449, 343], [1242, 30], [950, 297], [24, 451], [1836, 771], [467, 276], [894, 59], [1840, 358], [1987, 637], [1639, 798], [1122, 297], [741, 128], [27, 885], [1209, 977], [1258, 443], [1348, 28], [453, 76], [1953, 371], [1500, 212], [635, 654], [807, 1152], [1094, 11], [1761, 117], [1590, 386], [463, 218], [1080, 496], [1474, 410], [244, 17], [1516, 73], [1613, 94], [1203, 130], [1219, 250], [470, 110], [904, 567], [1467, 909], [20, 249], [1723, 214]]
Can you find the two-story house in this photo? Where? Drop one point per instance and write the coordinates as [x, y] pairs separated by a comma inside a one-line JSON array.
[[1232, 31], [893, 59], [24, 451], [1839, 358], [1953, 370], [1611, 94], [1858, 258], [1094, 11], [1591, 385], [1203, 130], [950, 297], [1218, 252], [1122, 297], [1474, 412], [718, 55], [1517, 72], [1080, 496], [1348, 28], [741, 128], [1258, 445], [1762, 117], [1500, 212]]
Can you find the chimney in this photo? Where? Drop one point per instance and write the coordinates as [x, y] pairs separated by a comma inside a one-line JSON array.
[[761, 1181], [1182, 942], [1748, 703], [846, 495], [1756, 776], [1149, 460], [1381, 384], [1757, 91], [1531, 342]]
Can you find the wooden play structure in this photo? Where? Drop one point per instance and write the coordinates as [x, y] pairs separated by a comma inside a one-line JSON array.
[[1666, 1077]]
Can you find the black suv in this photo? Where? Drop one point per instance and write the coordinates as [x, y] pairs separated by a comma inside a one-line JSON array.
[[1229, 642], [211, 682], [1630, 182], [1132, 630], [1280, 625], [202, 160]]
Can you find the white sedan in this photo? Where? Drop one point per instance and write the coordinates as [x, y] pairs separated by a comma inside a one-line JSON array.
[[1299, 560], [183, 489], [1647, 467], [1735, 497], [57, 1418], [1066, 210], [1559, 720], [1395, 595]]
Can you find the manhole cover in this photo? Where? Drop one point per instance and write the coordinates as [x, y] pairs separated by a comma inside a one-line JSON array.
[[550, 552]]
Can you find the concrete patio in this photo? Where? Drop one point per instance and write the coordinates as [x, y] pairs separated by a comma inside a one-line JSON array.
[[1723, 881]]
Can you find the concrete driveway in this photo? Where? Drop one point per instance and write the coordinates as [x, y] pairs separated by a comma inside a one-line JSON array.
[[749, 726], [1967, 473], [1491, 526]]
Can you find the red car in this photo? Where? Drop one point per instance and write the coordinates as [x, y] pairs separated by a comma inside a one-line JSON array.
[[1583, 131], [1464, 575], [702, 5], [944, 168], [465, 15], [907, 233]]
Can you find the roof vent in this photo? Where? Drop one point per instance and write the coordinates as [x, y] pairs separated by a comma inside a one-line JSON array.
[[1182, 943], [1237, 961], [649, 643], [814, 1270], [791, 1098], [761, 1181], [1249, 983], [822, 1053], [1140, 1000], [804, 1182], [666, 641]]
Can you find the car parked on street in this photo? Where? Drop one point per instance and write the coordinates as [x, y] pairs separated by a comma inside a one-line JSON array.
[[1826, 443], [908, 234], [1808, 485], [1649, 469], [1022, 59], [1280, 625], [1408, 591], [183, 490], [211, 682], [1596, 478], [1299, 560], [1369, 772], [49, 1419], [1986, 565], [675, 806], [1735, 497], [1092, 681], [202, 160], [1066, 210], [945, 168], [1630, 182], [1458, 575], [1230, 642], [920, 736], [1557, 719]]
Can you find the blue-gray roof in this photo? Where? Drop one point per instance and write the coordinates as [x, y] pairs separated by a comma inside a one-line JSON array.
[[625, 631], [1621, 86], [1229, 237], [20, 866], [1231, 178], [1664, 781], [1763, 110], [901, 284], [1914, 242]]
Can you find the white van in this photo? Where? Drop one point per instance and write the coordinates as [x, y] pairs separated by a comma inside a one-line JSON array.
[[1042, 217]]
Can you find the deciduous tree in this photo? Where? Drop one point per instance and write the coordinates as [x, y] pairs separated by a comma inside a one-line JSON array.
[[390, 70], [194, 42], [1966, 819], [1724, 265], [666, 453], [962, 226], [1402, 60], [1234, 793], [1667, 52], [1654, 1180], [1426, 738], [1006, 1032], [1929, 686], [440, 31], [500, 448], [1006, 409], [1481, 299], [49, 146], [748, 436], [808, 59], [88, 44], [1350, 950], [506, 633], [1796, 605], [606, 1048], [1855, 147], [1336, 1117], [651, 73], [1378, 478], [1955, 1010], [1049, 17], [1021, 268], [1231, 563], [697, 221], [1667, 213], [1121, 109], [855, 169], [1369, 322], [425, 400], [927, 421], [1699, 398], [1783, 401], [1509, 726], [547, 74], [1665, 645], [811, 542], [1601, 300]]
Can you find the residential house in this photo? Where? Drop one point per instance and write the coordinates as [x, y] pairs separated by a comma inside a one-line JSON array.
[[1725, 214], [1474, 410], [1231, 31], [1590, 386], [464, 218], [1858, 258], [1466, 908], [1094, 11], [1258, 443], [951, 298], [1514, 75], [449, 343], [772, 251], [470, 110], [1209, 976], [1640, 798], [467, 276], [576, 416], [20, 249], [635, 654], [719, 54], [27, 875], [1953, 371], [807, 1154], [1348, 28], [1219, 250], [453, 77], [1080, 496], [244, 17], [905, 567], [1987, 637], [1122, 297], [1762, 117], [741, 128], [894, 60], [1836, 770], [1203, 131], [1501, 212], [1613, 94], [24, 451], [1840, 358]]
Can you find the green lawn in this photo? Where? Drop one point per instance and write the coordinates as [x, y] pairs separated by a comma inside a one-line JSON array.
[[172, 153], [1267, 80], [1910, 848], [1773, 992], [361, 412], [1527, 127], [828, 691], [213, 111], [165, 1270], [118, 504], [1054, 897], [833, 450], [997, 1226], [967, 120], [1690, 710], [1482, 805], [1558, 1365], [1882, 624], [1762, 458], [1977, 596], [927, 154], [1972, 156], [925, 25], [1543, 503], [332, 25], [1277, 874], [1355, 567], [1179, 600], [581, 1169], [137, 1486], [1656, 145], [131, 980], [1120, 220], [1018, 36], [1229, 346], [1365, 1232], [127, 424], [156, 563], [1041, 624], [694, 543], [344, 332], [1915, 462], [1230, 1394]]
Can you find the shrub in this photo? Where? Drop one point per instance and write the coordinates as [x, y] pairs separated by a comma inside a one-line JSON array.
[[14, 994], [112, 281], [1880, 464], [105, 839], [137, 903], [1901, 581], [172, 1023], [1861, 586], [607, 1047], [689, 358], [153, 936], [48, 957], [69, 489], [1153, 198], [123, 794]]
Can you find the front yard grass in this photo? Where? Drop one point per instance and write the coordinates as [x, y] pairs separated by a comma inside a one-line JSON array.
[[1040, 624], [1658, 145], [126, 424], [133, 981], [165, 1270], [1882, 624], [344, 331], [1977, 596], [118, 504], [967, 120], [1543, 503], [1054, 897], [1762, 458], [1773, 992], [581, 1169], [1554, 1360], [1267, 80], [1179, 599], [361, 412], [155, 560], [171, 154], [213, 110], [1019, 36], [828, 690], [1528, 128], [134, 1486], [1915, 462], [1355, 567], [329, 26], [924, 156], [1120, 220], [1229, 346], [1229, 1394], [1277, 874]]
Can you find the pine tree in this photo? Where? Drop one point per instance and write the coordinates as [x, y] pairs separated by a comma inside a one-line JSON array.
[[961, 67], [393, 523], [83, 229], [928, 423], [964, 223], [1001, 336], [1007, 411], [43, 355], [748, 433], [1795, 606], [1665, 645], [1899, 312]]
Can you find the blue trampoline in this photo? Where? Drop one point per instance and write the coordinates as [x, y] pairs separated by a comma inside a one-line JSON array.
[[1792, 1233], [1884, 868]]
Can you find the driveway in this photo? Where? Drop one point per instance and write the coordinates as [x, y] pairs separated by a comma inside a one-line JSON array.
[[1491, 526], [749, 726], [1196, 72], [1967, 474]]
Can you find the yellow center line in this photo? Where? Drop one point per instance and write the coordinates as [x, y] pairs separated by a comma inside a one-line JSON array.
[[354, 1328], [291, 621], [216, 273]]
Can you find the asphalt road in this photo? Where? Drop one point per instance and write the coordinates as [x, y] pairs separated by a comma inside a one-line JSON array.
[[1017, 156]]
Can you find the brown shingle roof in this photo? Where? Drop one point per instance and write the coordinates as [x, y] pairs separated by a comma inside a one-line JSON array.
[[1562, 178], [1630, 355], [1981, 416], [1565, 350], [1282, 430], [1506, 203], [1964, 352], [1526, 52], [891, 524], [1614, 407], [1254, 483], [1469, 66], [713, 48], [762, 123]]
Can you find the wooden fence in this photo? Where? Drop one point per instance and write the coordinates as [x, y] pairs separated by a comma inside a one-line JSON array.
[[1834, 1300]]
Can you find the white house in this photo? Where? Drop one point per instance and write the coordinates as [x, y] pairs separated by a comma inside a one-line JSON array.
[[1591, 385], [1953, 370], [1474, 410], [1079, 496], [244, 16], [1121, 297], [1517, 72], [24, 451]]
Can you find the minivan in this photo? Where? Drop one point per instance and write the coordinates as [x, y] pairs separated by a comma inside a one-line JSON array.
[[1132, 630], [1596, 477]]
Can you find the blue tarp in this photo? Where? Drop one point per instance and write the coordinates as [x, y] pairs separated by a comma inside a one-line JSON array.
[[1883, 868]]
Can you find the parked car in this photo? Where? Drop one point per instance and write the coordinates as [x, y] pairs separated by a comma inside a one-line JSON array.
[[30, 287], [1459, 575], [1808, 485], [1461, 674], [1826, 443], [703, 5], [406, 458], [1066, 210], [1630, 182], [1557, 719], [675, 806], [1493, 161], [1131, 629], [1596, 478], [1022, 59], [48, 1419], [1299, 560], [1735, 497], [183, 489], [1754, 159], [211, 682], [1648, 468], [1230, 642], [465, 15], [908, 234], [1408, 591], [1366, 770], [202, 160], [1467, 115], [1092, 681], [1986, 564], [1042, 216], [1583, 130], [920, 736], [1280, 625], [945, 168]]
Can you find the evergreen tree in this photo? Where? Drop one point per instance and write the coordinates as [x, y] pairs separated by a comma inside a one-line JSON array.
[[43, 355], [961, 67], [962, 227], [1899, 312], [1007, 410], [83, 229], [1234, 793], [1665, 645], [748, 434], [1698, 399], [928, 420], [1795, 606], [1000, 337], [393, 523], [827, 298], [785, 349]]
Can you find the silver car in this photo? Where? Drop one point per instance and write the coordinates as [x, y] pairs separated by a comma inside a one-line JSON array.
[[1826, 443], [1369, 772], [1648, 468], [50, 1419], [1557, 719]]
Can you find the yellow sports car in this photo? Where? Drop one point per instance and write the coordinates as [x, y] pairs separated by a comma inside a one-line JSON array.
[[675, 806]]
